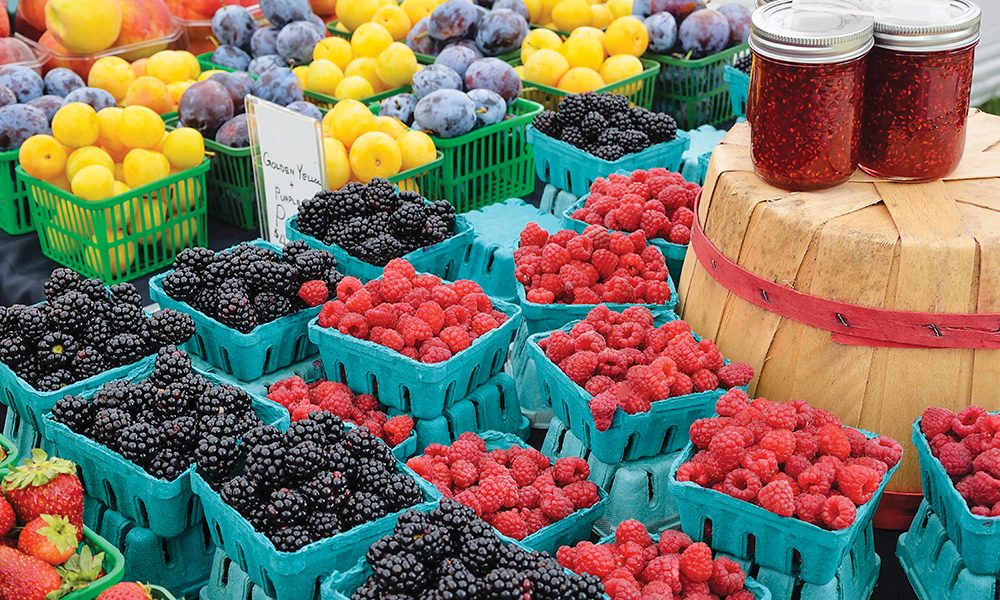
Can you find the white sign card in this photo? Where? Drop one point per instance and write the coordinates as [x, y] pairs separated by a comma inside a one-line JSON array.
[[288, 161]]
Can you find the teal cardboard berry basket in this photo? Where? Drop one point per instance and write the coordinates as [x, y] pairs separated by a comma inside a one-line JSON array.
[[167, 508], [268, 347]]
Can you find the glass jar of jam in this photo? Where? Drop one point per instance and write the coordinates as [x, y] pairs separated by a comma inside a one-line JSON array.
[[806, 88], [917, 95]]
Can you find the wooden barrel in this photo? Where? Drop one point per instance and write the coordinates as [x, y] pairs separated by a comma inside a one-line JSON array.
[[927, 248]]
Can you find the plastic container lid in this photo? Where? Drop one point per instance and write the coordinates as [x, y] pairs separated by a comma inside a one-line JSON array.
[[960, 30], [809, 36]]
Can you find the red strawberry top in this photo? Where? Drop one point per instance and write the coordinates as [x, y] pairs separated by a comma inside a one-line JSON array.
[[42, 485]]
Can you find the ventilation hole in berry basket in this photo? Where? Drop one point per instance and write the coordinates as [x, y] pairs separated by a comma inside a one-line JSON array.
[[404, 393], [489, 260], [165, 551], [269, 586], [218, 534], [630, 444], [502, 399], [224, 575], [751, 547], [939, 547], [706, 531], [268, 355], [110, 495], [473, 378], [227, 366], [587, 434], [199, 342], [206, 537], [797, 590], [316, 586], [141, 510], [796, 561], [650, 492], [668, 437], [192, 508]]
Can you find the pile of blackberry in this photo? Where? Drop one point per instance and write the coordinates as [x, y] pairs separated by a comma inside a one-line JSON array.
[[313, 481], [375, 222], [744, 62], [166, 422], [605, 125], [451, 553], [247, 285], [81, 330]]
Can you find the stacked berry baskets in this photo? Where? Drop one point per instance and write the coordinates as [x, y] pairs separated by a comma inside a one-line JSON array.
[[250, 303]]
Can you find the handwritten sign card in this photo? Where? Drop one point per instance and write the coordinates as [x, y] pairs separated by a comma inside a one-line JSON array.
[[287, 150]]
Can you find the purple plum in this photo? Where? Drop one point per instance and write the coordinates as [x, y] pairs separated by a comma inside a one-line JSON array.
[[19, 122], [234, 133], [419, 40], [239, 85], [399, 106], [501, 31], [517, 6], [453, 19], [435, 77], [296, 42], [662, 28], [306, 108], [490, 107], [49, 105], [266, 62], [233, 25], [7, 97], [95, 97], [205, 106], [24, 82], [739, 22], [61, 81], [264, 41], [680, 9], [283, 12], [641, 8], [446, 113], [496, 75], [703, 33], [232, 57], [457, 58], [280, 86]]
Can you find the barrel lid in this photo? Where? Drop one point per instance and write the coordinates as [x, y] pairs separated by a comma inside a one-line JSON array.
[[960, 29], [810, 36]]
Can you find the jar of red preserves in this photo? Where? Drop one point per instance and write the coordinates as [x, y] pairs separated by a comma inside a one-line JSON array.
[[917, 95], [806, 88]]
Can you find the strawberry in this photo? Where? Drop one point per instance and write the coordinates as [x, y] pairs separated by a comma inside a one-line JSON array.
[[49, 538], [24, 577], [42, 485], [7, 518], [126, 591]]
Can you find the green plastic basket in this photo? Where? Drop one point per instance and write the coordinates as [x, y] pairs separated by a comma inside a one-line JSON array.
[[637, 88], [424, 59], [114, 567], [161, 219], [695, 92], [489, 164], [15, 213], [159, 593]]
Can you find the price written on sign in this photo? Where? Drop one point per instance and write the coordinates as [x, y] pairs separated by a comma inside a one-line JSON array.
[[289, 166]]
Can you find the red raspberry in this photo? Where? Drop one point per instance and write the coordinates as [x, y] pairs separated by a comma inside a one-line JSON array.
[[833, 441], [483, 324], [684, 351], [732, 403], [666, 569], [694, 472], [524, 470], [528, 497], [858, 482], [583, 494], [872, 463], [510, 523], [696, 562], [397, 429], [556, 505], [456, 338], [569, 470], [679, 234], [727, 576], [684, 216], [857, 440], [433, 315], [434, 354], [464, 473], [673, 541], [554, 256], [533, 235], [884, 449], [704, 380], [497, 492], [742, 484], [354, 325], [761, 461], [466, 449], [647, 382], [681, 386], [778, 497], [839, 512], [628, 215], [735, 374], [983, 488], [631, 556], [313, 292], [347, 287], [413, 330], [780, 416], [966, 421], [580, 366], [702, 431], [331, 313], [809, 508], [631, 530], [936, 420], [400, 267], [603, 407], [728, 446], [741, 595], [806, 444], [622, 589], [988, 462], [817, 479]]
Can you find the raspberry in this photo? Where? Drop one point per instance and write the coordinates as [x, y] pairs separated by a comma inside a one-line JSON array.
[[778, 497], [627, 335], [858, 482], [603, 407], [884, 449], [780, 416], [872, 463], [806, 444], [622, 589], [631, 556], [857, 440], [456, 338], [704, 380], [796, 464], [397, 429], [583, 494], [741, 595], [696, 562], [580, 366], [833, 441], [727, 576], [556, 505], [983, 488], [313, 292], [761, 462], [817, 479], [732, 403], [523, 470], [464, 473], [742, 484], [681, 386], [988, 462], [684, 216], [393, 340], [433, 315], [727, 446], [631, 530], [673, 541], [483, 323], [354, 325], [497, 492], [533, 235], [839, 512], [809, 508], [510, 523], [781, 442], [965, 422], [569, 470], [593, 559], [434, 354], [665, 569], [331, 313], [347, 287], [647, 382], [694, 472], [735, 374]]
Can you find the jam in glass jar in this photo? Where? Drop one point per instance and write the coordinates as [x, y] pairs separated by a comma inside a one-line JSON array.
[[806, 89], [917, 95]]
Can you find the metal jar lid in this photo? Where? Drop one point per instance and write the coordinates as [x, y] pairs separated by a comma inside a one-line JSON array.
[[809, 36], [959, 30]]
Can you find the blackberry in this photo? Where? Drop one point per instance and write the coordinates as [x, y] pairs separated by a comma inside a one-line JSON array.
[[452, 515], [402, 492], [265, 464], [363, 507], [94, 290], [363, 444], [550, 581], [125, 293], [574, 108], [222, 399], [293, 248], [182, 284], [96, 332], [125, 348], [548, 123], [233, 285], [29, 369], [87, 362], [290, 539], [355, 232], [333, 278], [593, 123], [169, 326], [70, 311], [115, 394], [324, 488], [241, 493], [54, 380], [325, 524], [380, 249], [12, 349], [216, 271], [181, 433], [480, 554], [428, 542], [306, 430], [168, 464], [125, 317], [221, 426], [744, 62], [503, 584], [193, 258], [408, 218], [108, 425], [270, 307], [659, 127], [575, 136], [31, 321], [333, 427], [314, 264], [61, 280], [264, 435], [349, 201], [380, 195], [216, 456], [286, 507], [633, 140], [171, 401], [304, 460], [196, 385], [171, 366], [274, 277], [611, 105], [340, 459], [74, 412], [367, 591], [314, 214], [611, 152], [207, 302], [443, 209], [457, 583], [609, 136], [437, 229], [56, 349], [370, 475], [139, 441], [386, 546], [399, 573], [236, 311]]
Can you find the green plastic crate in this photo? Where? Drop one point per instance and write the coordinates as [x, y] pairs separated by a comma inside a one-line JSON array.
[[695, 92], [159, 593], [637, 88], [15, 213], [424, 59], [163, 218], [114, 567]]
